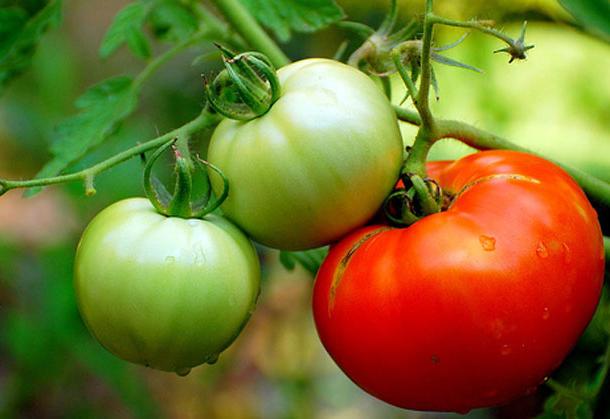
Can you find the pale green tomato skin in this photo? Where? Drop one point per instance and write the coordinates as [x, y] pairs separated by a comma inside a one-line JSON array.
[[164, 292], [317, 165]]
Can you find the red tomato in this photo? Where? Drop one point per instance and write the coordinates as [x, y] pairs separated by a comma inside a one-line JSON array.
[[471, 307]]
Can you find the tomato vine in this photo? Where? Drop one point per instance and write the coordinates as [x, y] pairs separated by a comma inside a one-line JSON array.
[[253, 88]]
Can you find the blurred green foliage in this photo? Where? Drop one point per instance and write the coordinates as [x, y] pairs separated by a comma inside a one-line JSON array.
[[557, 103]]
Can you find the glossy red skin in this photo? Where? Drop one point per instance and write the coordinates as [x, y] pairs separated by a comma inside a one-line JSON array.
[[471, 307]]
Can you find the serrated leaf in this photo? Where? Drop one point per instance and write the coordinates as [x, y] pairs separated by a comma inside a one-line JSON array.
[[285, 16], [172, 21], [594, 15], [103, 107], [19, 35], [123, 29], [308, 259]]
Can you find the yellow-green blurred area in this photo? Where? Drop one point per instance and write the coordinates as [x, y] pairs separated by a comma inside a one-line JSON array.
[[557, 103]]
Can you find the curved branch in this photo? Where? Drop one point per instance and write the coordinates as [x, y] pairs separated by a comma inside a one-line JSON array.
[[204, 120], [596, 189]]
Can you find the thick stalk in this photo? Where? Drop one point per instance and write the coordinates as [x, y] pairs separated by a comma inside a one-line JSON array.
[[596, 189], [418, 153], [416, 160], [204, 120], [247, 26], [423, 98]]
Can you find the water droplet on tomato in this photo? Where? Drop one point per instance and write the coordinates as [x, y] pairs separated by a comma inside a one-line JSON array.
[[212, 359], [542, 251], [183, 372], [170, 259], [506, 350], [487, 242], [546, 314]]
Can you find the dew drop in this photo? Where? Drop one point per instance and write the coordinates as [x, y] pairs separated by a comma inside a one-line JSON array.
[[487, 242], [542, 251], [546, 314], [170, 259], [506, 350], [193, 223], [183, 372], [212, 359]]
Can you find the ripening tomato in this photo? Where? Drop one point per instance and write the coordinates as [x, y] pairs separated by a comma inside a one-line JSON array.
[[473, 306], [164, 292], [317, 165]]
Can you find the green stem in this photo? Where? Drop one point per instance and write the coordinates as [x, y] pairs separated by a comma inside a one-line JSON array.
[[596, 189], [405, 76], [607, 249], [477, 25], [426, 136], [418, 153], [407, 115], [423, 102], [245, 24], [204, 120]]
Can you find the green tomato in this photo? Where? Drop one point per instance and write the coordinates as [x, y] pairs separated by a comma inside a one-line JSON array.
[[318, 164], [164, 292]]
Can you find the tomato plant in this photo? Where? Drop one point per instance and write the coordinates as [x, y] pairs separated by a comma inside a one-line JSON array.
[[473, 306], [165, 292], [318, 164], [479, 283]]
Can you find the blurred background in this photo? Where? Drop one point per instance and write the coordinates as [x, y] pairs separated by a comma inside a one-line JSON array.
[[557, 102]]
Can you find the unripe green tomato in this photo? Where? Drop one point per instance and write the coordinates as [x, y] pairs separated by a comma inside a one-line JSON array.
[[317, 165], [164, 292]]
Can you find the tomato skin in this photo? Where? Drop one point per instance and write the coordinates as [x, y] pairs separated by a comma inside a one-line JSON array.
[[471, 307], [297, 172], [164, 292]]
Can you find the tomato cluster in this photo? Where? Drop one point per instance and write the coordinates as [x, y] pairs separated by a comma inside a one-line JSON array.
[[469, 307], [172, 293]]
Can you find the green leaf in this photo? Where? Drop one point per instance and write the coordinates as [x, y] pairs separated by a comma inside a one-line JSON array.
[[103, 107], [19, 35], [171, 21], [593, 15], [285, 16], [560, 406], [308, 259], [126, 28]]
